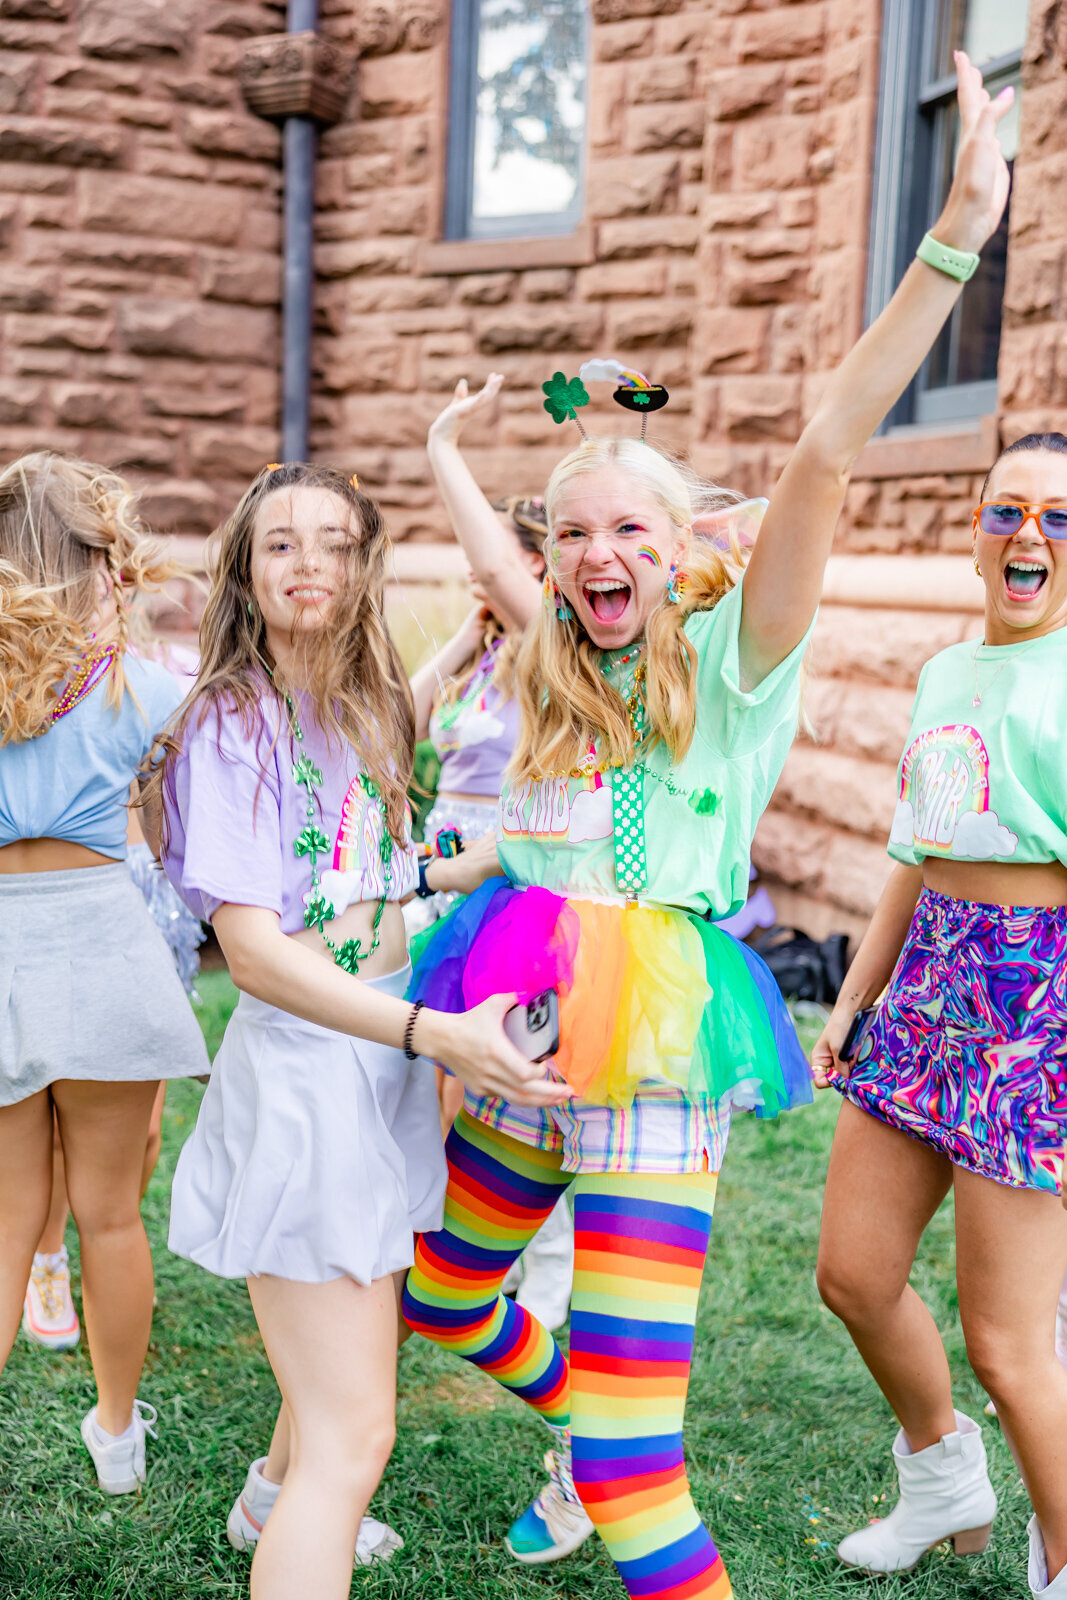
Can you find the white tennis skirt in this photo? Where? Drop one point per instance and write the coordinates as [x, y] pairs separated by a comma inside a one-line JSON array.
[[88, 988], [315, 1155]]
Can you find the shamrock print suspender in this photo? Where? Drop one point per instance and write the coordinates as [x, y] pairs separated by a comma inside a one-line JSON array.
[[628, 818]]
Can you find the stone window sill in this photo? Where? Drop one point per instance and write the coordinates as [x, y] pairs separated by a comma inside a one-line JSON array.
[[923, 452], [441, 257]]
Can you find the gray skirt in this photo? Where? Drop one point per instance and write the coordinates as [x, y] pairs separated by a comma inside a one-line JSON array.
[[88, 988]]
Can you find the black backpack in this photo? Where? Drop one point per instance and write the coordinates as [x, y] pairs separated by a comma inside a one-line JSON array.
[[805, 968]]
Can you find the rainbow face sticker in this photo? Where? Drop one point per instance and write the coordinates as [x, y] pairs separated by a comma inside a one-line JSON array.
[[646, 553]]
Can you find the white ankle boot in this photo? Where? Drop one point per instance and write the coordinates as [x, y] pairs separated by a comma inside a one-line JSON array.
[[1037, 1570], [945, 1493]]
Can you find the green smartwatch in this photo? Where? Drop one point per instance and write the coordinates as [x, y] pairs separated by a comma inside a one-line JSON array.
[[961, 264]]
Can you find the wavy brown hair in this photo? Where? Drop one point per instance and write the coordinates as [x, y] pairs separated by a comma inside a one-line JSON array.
[[525, 515], [356, 680], [564, 699], [62, 522]]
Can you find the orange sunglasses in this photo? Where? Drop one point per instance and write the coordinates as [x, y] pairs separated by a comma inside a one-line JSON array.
[[1002, 519]]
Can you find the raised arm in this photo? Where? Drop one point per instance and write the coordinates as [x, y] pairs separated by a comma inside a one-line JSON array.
[[494, 556], [785, 574], [445, 664]]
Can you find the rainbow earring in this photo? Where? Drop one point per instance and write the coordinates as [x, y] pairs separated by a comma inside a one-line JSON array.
[[554, 601], [674, 579]]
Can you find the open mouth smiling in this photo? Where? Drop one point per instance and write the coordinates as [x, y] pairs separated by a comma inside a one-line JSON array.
[[1024, 579], [607, 598], [308, 595]]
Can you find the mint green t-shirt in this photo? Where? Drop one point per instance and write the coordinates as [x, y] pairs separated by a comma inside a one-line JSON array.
[[987, 781], [558, 833]]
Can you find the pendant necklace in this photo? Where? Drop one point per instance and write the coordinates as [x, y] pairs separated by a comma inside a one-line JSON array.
[[978, 693]]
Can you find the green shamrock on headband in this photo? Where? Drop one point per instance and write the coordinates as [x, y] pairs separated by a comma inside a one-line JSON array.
[[563, 397]]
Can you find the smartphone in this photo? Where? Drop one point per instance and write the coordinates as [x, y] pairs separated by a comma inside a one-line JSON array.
[[858, 1029], [534, 1028]]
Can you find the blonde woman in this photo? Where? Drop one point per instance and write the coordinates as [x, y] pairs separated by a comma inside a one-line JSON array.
[[92, 1012], [659, 696]]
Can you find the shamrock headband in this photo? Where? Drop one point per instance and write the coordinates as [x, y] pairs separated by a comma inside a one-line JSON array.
[[564, 396]]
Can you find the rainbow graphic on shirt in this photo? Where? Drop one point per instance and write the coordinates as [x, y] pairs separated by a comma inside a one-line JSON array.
[[359, 838], [646, 553], [943, 808]]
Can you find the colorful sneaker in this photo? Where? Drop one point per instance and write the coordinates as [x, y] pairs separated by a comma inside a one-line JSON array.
[[376, 1540], [49, 1317], [119, 1462], [557, 1523]]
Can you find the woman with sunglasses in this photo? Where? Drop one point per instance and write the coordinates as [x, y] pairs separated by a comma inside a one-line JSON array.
[[961, 1081]]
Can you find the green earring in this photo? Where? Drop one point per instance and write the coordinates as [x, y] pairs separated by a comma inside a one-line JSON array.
[[251, 610]]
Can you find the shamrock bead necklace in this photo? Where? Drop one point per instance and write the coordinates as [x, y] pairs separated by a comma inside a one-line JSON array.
[[311, 841], [449, 714]]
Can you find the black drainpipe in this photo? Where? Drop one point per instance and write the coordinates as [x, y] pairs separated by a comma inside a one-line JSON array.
[[299, 288]]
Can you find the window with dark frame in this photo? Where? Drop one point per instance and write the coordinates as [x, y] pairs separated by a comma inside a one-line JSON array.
[[918, 135], [516, 133]]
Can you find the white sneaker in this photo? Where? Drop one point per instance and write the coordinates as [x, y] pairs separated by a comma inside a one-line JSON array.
[[556, 1523], [120, 1462], [376, 1540], [945, 1493], [49, 1317]]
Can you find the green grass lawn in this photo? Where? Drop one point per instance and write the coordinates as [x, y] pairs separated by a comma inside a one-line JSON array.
[[788, 1441]]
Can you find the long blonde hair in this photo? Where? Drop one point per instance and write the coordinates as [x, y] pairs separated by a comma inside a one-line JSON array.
[[61, 521], [564, 699], [356, 680]]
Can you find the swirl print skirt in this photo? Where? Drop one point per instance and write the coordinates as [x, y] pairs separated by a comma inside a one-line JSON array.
[[968, 1051]]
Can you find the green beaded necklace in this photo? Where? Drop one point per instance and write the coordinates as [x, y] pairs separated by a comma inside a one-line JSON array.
[[313, 842]]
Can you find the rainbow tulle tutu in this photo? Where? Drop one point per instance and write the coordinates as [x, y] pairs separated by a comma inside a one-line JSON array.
[[646, 995]]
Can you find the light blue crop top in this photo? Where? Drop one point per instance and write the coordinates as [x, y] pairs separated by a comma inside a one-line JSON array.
[[73, 782]]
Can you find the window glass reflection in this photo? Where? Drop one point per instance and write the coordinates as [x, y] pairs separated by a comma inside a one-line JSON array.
[[530, 116]]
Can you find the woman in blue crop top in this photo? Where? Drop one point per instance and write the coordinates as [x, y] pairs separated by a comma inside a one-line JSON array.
[[92, 1012], [961, 1081]]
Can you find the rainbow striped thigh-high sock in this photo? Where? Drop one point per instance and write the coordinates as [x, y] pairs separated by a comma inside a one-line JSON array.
[[499, 1193], [640, 1243]]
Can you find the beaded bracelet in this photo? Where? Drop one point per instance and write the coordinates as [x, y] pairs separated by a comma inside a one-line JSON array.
[[409, 1031]]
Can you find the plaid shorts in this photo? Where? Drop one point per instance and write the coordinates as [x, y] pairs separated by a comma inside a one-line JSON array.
[[663, 1131]]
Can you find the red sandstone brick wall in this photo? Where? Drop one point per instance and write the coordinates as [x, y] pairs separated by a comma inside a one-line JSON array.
[[723, 251], [139, 240]]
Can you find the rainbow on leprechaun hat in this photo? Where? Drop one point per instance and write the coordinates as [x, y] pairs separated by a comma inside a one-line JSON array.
[[633, 391]]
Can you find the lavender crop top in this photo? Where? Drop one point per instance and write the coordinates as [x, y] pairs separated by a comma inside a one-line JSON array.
[[233, 812], [475, 736]]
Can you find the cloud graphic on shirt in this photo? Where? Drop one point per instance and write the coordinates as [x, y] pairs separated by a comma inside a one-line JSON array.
[[903, 829], [980, 835], [591, 816], [478, 727]]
